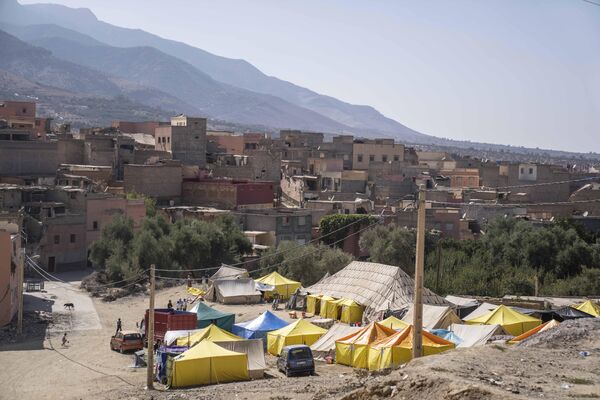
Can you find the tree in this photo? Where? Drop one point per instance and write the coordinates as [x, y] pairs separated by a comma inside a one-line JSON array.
[[390, 244], [334, 228]]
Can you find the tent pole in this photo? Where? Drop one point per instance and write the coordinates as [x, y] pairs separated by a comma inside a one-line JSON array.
[[150, 338], [417, 345]]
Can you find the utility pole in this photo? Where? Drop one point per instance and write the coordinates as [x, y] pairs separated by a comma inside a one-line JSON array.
[[417, 342], [150, 335], [20, 279]]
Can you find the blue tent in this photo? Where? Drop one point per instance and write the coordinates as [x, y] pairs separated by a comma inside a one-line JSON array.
[[208, 315], [448, 335], [259, 326]]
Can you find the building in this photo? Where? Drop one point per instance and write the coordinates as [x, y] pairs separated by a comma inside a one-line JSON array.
[[227, 193], [146, 127], [161, 181], [18, 114], [10, 259], [365, 151], [185, 139], [101, 210], [281, 224], [462, 177]]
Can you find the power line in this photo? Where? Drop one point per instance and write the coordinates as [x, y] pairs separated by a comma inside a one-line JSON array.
[[528, 185], [513, 205], [591, 2], [276, 252]]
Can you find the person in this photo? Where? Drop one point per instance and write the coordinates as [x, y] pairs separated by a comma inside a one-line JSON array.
[[185, 304], [179, 304], [169, 305], [64, 340], [189, 280], [119, 326]]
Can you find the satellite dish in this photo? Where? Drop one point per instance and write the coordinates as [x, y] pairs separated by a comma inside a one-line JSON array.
[[586, 213]]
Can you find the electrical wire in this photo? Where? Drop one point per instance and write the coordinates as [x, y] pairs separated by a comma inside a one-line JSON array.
[[276, 252], [513, 205], [527, 185]]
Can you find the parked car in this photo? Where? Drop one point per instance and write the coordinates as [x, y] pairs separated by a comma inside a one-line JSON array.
[[295, 360], [127, 340]]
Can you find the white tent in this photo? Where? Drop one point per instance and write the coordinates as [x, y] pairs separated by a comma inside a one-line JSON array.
[[375, 286], [464, 306], [172, 336], [234, 291], [256, 354], [434, 317], [475, 335], [483, 309], [228, 272], [326, 343]]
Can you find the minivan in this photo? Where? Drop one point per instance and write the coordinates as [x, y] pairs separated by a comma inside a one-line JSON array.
[[296, 359]]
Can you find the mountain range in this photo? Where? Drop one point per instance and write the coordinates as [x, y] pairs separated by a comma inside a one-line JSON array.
[[172, 76]]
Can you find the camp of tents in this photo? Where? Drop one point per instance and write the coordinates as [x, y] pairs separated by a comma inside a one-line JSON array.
[[299, 332], [282, 286], [208, 315], [260, 326]]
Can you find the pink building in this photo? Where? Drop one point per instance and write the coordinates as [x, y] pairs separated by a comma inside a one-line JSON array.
[[102, 210], [10, 245]]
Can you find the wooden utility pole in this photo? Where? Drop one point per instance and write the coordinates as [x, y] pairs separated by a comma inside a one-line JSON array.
[[417, 349], [20, 279], [150, 335]]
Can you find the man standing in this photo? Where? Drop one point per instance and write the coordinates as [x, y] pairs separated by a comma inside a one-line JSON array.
[[119, 326]]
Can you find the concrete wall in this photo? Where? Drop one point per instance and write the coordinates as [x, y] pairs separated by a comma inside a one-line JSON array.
[[28, 158], [67, 255], [362, 153], [8, 276], [188, 142], [102, 210], [70, 151], [160, 181]]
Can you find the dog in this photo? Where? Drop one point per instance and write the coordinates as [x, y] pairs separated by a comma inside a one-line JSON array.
[[69, 306]]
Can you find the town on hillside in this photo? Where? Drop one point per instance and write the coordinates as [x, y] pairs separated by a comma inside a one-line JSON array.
[[272, 255]]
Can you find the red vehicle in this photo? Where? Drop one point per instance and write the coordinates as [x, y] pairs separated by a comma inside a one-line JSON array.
[[169, 320], [125, 341]]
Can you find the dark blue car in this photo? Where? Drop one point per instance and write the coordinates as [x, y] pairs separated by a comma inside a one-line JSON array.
[[296, 360]]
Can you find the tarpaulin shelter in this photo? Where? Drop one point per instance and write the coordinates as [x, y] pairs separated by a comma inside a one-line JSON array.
[[234, 291], [447, 335], [228, 272], [313, 303], [208, 363], [464, 306], [284, 287], [326, 343], [589, 307], [512, 321], [162, 354], [434, 317], [352, 349], [299, 332], [253, 348], [396, 349], [394, 323], [334, 309], [208, 315], [543, 315], [259, 326], [572, 313], [351, 311], [377, 287], [323, 305], [172, 336], [211, 332], [541, 328], [476, 335], [482, 309]]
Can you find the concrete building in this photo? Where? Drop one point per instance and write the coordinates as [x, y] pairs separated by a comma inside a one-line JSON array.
[[146, 127], [10, 259], [185, 139], [282, 224], [227, 193], [18, 114], [365, 151], [161, 181], [463, 177], [101, 209], [264, 165]]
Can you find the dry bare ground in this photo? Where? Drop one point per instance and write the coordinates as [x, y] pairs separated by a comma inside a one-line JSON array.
[[549, 367]]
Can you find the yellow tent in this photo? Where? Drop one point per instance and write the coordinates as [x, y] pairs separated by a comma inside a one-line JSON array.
[[394, 350], [300, 332], [208, 363], [313, 303], [334, 309], [196, 292], [351, 311], [211, 332], [512, 321], [394, 323], [589, 307], [323, 306], [541, 328], [353, 349], [284, 287]]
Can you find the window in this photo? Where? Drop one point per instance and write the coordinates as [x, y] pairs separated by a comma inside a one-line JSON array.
[[285, 221], [530, 171], [301, 221], [24, 111], [384, 158], [522, 170], [168, 139], [372, 157], [95, 225], [56, 239], [359, 158], [73, 238], [449, 226], [345, 157], [73, 195], [396, 157]]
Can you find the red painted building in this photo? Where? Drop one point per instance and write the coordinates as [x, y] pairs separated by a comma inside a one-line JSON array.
[[227, 193]]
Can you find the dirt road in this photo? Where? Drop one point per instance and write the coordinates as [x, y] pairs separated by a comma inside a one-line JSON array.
[[40, 368]]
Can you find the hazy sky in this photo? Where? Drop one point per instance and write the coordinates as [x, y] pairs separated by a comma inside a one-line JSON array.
[[521, 72]]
